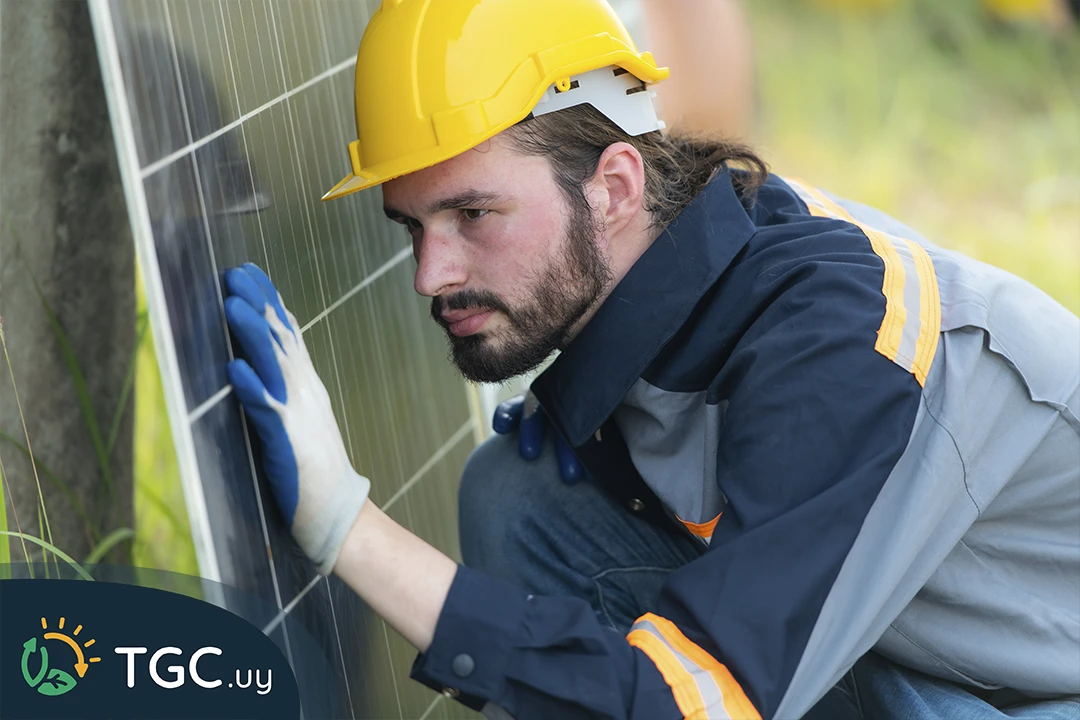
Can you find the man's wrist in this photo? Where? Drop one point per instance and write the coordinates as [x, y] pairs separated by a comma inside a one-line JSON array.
[[327, 532], [354, 541]]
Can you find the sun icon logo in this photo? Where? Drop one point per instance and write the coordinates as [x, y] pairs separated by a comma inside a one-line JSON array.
[[54, 681]]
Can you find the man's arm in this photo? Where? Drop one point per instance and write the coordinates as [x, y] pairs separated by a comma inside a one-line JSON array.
[[400, 576], [537, 657]]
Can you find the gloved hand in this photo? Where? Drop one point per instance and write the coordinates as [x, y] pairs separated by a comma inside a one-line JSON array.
[[524, 414], [303, 453]]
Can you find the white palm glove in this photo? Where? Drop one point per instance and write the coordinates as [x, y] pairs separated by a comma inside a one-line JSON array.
[[303, 453]]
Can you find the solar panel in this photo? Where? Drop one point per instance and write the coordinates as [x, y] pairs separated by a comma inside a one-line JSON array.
[[231, 118]]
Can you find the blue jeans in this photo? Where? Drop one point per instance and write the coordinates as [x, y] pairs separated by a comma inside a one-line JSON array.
[[521, 523]]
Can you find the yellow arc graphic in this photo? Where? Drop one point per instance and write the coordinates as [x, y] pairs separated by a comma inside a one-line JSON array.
[[81, 666]]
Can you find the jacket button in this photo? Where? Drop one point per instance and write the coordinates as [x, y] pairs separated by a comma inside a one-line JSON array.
[[636, 505], [462, 666], [451, 692]]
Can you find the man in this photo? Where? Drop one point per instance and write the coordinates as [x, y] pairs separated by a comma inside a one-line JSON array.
[[834, 469]]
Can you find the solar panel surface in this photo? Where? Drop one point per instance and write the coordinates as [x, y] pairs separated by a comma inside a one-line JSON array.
[[232, 117]]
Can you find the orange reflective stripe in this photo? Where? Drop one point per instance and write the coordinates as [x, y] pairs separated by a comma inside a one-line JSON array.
[[736, 703], [892, 287], [702, 530], [898, 317], [815, 210], [929, 314], [683, 688], [683, 664]]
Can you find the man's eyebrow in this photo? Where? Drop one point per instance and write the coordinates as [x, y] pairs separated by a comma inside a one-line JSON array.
[[467, 199]]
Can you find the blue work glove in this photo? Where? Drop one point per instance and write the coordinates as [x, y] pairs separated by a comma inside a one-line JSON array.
[[303, 453], [524, 414]]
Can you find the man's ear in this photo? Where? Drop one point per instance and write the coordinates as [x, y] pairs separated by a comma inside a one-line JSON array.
[[618, 186]]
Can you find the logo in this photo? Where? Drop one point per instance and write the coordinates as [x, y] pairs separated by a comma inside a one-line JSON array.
[[53, 681], [129, 652]]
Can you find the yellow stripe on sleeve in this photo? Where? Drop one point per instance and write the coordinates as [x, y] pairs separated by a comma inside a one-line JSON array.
[[897, 315]]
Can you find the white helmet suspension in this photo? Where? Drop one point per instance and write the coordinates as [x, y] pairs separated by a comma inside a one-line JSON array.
[[621, 97]]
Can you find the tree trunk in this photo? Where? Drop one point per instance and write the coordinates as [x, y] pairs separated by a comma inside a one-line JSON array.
[[63, 224]]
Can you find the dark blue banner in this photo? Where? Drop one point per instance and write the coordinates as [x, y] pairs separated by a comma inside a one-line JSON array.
[[78, 649]]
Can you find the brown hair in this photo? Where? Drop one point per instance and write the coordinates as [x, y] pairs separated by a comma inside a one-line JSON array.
[[677, 166]]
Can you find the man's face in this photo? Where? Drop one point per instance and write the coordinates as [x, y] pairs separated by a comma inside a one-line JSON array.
[[510, 264]]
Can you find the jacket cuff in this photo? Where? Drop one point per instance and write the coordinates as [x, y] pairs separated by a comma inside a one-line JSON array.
[[481, 623]]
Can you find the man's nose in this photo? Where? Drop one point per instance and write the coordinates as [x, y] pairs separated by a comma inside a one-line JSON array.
[[440, 264]]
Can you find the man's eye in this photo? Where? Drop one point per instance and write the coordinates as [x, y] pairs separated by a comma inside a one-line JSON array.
[[412, 224], [474, 214]]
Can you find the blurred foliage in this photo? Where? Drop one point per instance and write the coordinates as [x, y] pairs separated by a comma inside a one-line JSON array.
[[964, 128], [103, 451], [162, 534]]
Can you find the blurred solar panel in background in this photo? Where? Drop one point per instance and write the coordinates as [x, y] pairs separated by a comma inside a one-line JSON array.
[[232, 118]]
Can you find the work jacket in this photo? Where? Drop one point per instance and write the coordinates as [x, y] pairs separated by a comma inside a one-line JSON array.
[[877, 439]]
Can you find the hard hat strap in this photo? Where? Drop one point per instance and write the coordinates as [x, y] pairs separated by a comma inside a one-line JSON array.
[[619, 95]]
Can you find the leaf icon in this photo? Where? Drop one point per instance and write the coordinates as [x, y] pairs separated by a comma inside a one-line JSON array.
[[57, 683]]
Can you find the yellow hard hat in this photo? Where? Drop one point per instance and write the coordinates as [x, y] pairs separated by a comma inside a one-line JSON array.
[[435, 78]]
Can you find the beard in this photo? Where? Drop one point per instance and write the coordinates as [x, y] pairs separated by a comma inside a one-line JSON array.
[[562, 294]]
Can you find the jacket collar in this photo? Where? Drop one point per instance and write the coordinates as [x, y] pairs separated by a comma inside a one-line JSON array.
[[589, 379]]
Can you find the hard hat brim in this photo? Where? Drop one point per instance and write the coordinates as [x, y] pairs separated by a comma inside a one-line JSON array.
[[351, 184]]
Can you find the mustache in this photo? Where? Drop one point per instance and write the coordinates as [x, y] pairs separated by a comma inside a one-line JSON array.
[[467, 300]]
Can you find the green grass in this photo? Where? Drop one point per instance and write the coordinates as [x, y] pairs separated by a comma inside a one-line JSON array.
[[970, 133], [5, 547], [102, 450], [55, 551]]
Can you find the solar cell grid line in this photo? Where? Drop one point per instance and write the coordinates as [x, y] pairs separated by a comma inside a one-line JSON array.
[[239, 123], [146, 58], [367, 402], [303, 190], [462, 434], [340, 133], [341, 652], [209, 404], [249, 26], [373, 685], [258, 216], [387, 267], [301, 40], [319, 139], [393, 671], [431, 708], [301, 75], [153, 167], [195, 164], [193, 30], [375, 374], [394, 357], [262, 525]]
